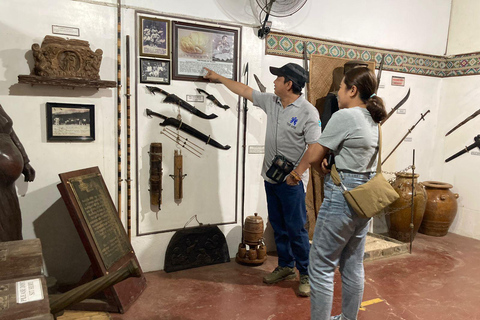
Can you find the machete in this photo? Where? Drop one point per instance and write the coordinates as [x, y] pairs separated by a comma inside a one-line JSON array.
[[180, 125], [211, 97], [397, 106], [171, 98], [260, 84]]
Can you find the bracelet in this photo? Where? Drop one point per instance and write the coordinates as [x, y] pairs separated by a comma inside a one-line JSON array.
[[295, 175]]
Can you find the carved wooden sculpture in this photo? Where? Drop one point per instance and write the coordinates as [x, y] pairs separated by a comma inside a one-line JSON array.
[[65, 62], [13, 162]]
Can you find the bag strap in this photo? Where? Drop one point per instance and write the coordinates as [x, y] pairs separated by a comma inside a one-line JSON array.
[[334, 173], [379, 163]]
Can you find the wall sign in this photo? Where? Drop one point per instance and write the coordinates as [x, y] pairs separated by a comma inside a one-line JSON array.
[[398, 81], [69, 31]]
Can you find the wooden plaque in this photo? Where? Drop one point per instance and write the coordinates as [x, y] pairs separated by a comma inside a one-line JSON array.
[[102, 233]]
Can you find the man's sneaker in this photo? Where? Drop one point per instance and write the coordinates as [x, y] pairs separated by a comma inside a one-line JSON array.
[[279, 274], [304, 287], [337, 317]]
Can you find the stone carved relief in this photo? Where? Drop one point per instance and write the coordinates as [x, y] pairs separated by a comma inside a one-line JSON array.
[[58, 57]]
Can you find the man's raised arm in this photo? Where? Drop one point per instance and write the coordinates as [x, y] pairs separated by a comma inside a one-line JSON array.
[[234, 86]]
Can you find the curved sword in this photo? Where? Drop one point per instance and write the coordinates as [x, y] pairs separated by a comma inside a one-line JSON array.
[[397, 106], [180, 125], [211, 97], [171, 98]]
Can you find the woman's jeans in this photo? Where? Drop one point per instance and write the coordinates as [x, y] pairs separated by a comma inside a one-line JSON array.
[[339, 239]]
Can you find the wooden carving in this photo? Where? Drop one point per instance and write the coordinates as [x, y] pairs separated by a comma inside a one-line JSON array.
[[156, 174], [67, 62], [58, 57]]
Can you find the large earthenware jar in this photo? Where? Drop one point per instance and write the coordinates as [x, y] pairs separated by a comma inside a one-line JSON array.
[[441, 208], [399, 213]]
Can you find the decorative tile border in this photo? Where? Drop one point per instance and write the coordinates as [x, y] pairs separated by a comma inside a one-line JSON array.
[[398, 61]]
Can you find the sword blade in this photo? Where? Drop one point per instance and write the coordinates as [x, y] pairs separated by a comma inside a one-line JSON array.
[[259, 84], [193, 132], [476, 113], [171, 98], [397, 106], [459, 153]]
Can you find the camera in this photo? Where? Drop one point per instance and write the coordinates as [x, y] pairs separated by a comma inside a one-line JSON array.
[[279, 169], [330, 161]]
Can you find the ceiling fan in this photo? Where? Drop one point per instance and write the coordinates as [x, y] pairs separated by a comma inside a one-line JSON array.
[[276, 8]]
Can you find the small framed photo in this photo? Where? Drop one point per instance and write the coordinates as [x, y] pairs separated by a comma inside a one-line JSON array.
[[154, 37], [154, 71], [197, 46], [70, 122]]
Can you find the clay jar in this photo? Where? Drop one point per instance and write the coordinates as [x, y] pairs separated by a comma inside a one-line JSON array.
[[261, 251], [399, 213], [253, 229], [252, 253], [242, 251], [441, 208]]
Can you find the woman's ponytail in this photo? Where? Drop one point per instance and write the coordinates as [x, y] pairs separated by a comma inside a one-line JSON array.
[[366, 84]]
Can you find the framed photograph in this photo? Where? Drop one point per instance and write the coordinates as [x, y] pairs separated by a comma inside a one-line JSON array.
[[197, 46], [70, 122], [154, 71], [154, 37]]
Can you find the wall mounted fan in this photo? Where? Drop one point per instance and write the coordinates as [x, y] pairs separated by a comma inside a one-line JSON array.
[[276, 8]]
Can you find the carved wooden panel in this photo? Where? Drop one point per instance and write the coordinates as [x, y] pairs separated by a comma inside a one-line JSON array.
[[66, 62]]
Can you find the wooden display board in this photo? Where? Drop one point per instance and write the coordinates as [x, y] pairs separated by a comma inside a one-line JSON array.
[[102, 234]]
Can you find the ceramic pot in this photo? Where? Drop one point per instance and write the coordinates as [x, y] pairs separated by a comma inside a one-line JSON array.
[[261, 251], [253, 229], [252, 253], [242, 251], [441, 208], [399, 213]]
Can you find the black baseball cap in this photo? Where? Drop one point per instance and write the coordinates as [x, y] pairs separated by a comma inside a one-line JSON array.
[[293, 72]]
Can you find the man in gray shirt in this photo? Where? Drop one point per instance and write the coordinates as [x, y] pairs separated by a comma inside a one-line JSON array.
[[292, 124]]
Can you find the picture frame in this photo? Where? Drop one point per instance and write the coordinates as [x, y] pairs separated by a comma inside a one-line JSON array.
[[154, 71], [70, 122], [154, 35], [196, 46]]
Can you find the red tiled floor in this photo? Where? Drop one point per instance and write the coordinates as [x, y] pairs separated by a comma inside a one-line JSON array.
[[440, 281]]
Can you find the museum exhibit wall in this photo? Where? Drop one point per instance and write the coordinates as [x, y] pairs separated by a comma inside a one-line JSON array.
[[459, 99], [383, 24]]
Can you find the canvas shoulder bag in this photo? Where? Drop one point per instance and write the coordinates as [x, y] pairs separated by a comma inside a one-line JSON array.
[[370, 198]]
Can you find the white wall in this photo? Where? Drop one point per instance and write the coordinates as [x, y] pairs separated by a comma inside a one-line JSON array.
[[464, 25], [459, 99], [384, 24], [44, 213]]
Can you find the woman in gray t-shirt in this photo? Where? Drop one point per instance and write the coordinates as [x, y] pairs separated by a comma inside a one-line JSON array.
[[339, 238]]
